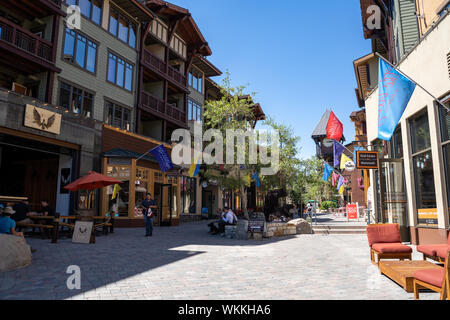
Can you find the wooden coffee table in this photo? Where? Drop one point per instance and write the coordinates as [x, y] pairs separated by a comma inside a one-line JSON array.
[[402, 272]]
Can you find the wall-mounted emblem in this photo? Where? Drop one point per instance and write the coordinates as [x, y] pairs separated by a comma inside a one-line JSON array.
[[42, 119]]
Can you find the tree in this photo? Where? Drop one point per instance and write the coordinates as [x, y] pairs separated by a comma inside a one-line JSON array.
[[233, 111], [289, 163]]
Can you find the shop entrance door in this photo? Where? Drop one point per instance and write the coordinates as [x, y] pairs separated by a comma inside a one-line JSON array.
[[393, 204], [207, 201], [166, 205]]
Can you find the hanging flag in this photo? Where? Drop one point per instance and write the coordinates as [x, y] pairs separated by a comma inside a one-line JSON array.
[[327, 172], [335, 178], [160, 153], [344, 160], [340, 182], [342, 189], [195, 168], [395, 91], [256, 178], [115, 191], [338, 150], [335, 129], [355, 150]]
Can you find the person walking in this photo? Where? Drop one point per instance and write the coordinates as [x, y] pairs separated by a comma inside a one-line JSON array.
[[148, 204]]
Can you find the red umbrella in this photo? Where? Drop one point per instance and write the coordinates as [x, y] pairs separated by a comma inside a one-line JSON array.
[[92, 181]]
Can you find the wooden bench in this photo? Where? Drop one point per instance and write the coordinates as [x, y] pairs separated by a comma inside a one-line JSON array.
[[47, 227]]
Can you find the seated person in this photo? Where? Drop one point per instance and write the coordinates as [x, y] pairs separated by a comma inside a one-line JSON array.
[[22, 210], [46, 209], [8, 225], [230, 219]]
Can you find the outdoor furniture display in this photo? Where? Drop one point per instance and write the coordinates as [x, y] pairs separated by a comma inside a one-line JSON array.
[[385, 241], [402, 272], [436, 252], [434, 279]]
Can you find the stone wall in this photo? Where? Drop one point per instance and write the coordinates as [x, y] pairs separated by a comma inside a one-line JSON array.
[[14, 253]]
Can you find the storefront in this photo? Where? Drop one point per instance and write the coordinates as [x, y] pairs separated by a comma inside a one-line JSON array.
[[37, 161], [140, 175], [411, 185]]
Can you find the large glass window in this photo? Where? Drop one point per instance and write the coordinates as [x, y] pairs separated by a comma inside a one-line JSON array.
[[188, 194], [423, 162], [195, 80], [119, 205], [122, 28], [445, 133], [194, 111], [76, 100], [91, 9], [120, 72], [118, 116], [80, 51]]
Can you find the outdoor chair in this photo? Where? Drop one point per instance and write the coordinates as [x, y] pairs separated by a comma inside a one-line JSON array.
[[385, 241], [436, 280], [436, 252]]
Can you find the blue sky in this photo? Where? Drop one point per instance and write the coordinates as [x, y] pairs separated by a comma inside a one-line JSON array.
[[296, 55]]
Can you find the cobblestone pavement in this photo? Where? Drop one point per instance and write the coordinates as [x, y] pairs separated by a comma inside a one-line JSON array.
[[186, 263]]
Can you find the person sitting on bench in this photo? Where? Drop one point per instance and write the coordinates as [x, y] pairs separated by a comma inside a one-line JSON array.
[[230, 219], [23, 211]]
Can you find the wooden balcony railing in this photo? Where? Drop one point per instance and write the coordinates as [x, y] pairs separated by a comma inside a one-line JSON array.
[[149, 101], [156, 64], [25, 40]]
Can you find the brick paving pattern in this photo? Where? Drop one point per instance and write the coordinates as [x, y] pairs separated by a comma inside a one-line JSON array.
[[186, 263]]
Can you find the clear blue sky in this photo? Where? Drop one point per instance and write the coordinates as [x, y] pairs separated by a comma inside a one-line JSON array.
[[296, 55]]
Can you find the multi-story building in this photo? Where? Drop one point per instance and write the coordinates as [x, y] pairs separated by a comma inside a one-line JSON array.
[[412, 184], [41, 147]]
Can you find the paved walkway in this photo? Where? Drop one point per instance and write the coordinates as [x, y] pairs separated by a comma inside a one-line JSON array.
[[186, 263]]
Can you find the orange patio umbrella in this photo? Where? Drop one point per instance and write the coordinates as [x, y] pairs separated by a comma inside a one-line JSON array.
[[93, 180]]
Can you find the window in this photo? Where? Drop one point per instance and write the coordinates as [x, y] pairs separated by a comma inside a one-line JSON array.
[[445, 133], [76, 100], [196, 82], [120, 72], [91, 9], [194, 111], [423, 162], [122, 28], [80, 51], [396, 144], [188, 194], [118, 116]]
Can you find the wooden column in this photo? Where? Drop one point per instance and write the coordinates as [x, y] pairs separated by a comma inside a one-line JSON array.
[[104, 199], [132, 191]]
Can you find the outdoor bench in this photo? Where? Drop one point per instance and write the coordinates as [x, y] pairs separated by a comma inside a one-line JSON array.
[[437, 252]]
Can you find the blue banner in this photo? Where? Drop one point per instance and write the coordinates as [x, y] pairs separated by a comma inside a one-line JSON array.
[[395, 91], [160, 153], [256, 177], [338, 150], [327, 172], [340, 182]]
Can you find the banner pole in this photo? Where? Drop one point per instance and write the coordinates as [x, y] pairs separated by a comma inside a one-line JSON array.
[[409, 78]]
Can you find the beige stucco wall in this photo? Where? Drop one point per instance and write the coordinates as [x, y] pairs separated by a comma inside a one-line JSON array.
[[97, 82], [427, 65], [427, 9]]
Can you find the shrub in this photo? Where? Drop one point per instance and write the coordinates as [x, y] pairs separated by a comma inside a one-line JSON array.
[[328, 204]]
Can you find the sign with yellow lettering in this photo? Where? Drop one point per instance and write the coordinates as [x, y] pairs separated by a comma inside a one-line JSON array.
[[428, 217]]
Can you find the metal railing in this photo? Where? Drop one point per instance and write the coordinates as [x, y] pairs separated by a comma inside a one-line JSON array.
[[25, 40], [170, 110], [161, 67]]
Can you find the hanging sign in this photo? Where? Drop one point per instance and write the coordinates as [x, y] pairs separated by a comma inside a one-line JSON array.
[[367, 160], [350, 166]]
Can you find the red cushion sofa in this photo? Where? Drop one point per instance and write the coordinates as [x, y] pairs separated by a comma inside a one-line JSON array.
[[385, 241], [436, 252]]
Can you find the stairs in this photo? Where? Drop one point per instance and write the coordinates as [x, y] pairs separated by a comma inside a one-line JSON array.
[[339, 229]]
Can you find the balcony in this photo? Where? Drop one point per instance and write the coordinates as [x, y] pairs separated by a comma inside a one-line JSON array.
[[31, 9], [24, 43], [164, 70], [165, 110]]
